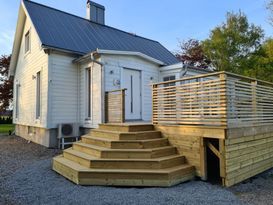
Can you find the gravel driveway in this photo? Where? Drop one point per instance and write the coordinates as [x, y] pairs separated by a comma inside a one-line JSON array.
[[26, 178]]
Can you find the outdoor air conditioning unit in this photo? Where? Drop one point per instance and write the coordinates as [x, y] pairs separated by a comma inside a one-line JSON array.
[[68, 130]]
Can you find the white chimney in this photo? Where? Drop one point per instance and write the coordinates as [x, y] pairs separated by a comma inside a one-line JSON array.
[[95, 12]]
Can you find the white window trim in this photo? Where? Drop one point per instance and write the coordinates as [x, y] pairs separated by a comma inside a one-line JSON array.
[[29, 36], [88, 94], [17, 96], [38, 103]]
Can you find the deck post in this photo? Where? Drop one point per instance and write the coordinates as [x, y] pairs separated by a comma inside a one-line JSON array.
[[154, 96], [222, 160], [203, 159], [123, 105], [223, 98], [106, 107]]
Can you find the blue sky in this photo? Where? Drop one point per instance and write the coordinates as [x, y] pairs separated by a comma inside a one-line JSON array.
[[163, 20]]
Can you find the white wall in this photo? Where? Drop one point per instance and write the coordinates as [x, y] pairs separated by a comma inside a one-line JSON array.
[[63, 90], [96, 95], [117, 63], [176, 72], [27, 66]]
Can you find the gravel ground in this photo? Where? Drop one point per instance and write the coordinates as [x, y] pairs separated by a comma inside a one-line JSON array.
[[26, 178]]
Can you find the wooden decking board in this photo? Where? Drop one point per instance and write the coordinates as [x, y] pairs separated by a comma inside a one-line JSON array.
[[119, 135], [93, 162], [127, 127], [125, 144]]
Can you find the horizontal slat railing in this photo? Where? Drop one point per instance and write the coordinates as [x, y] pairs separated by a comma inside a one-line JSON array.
[[250, 101], [218, 99], [115, 106]]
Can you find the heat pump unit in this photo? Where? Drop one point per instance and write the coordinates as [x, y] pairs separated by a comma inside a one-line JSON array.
[[68, 130]]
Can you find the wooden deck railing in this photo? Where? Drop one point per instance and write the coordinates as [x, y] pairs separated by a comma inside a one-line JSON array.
[[218, 99], [115, 106]]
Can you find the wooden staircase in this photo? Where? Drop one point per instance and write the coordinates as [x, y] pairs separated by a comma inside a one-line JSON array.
[[123, 155]]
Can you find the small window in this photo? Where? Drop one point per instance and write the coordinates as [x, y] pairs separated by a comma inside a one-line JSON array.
[[88, 93], [17, 101], [168, 78], [38, 95], [27, 42]]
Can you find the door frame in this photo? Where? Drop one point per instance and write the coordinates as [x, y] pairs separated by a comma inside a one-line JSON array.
[[140, 89]]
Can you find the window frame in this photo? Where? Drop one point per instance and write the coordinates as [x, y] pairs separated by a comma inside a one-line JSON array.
[[17, 94], [169, 78], [27, 42], [88, 93], [38, 95]]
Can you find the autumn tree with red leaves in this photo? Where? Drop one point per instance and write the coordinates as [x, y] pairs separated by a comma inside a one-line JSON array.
[[191, 53], [6, 84]]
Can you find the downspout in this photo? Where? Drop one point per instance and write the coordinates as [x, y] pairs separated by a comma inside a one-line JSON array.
[[183, 70], [102, 85]]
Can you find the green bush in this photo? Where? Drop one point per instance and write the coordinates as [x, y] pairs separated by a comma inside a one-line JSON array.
[[5, 120]]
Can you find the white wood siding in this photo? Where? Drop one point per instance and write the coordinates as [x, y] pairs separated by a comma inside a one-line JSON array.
[[176, 73], [27, 67], [63, 91], [96, 95], [113, 68]]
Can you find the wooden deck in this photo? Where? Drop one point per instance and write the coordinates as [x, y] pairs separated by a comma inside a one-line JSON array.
[[236, 110], [217, 122]]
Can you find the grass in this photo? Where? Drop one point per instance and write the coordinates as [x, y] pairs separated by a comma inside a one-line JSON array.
[[4, 129]]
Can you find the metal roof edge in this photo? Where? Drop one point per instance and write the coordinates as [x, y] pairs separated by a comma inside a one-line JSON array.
[[130, 53], [115, 52]]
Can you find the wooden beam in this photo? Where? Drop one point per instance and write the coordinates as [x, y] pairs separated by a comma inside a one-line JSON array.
[[203, 159], [214, 150]]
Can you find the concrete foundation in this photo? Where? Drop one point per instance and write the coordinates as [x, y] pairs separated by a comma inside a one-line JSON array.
[[42, 136]]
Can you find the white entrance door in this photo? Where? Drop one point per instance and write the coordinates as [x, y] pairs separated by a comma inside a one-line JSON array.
[[132, 82]]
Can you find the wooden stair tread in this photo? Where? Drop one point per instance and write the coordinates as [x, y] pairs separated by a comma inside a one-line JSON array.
[[122, 150], [125, 141], [127, 124], [123, 132], [90, 157], [127, 127], [80, 168]]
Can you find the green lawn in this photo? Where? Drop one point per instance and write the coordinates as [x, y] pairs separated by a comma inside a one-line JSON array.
[[4, 129]]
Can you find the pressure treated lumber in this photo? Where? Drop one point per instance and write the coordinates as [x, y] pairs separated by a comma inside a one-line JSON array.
[[124, 155]]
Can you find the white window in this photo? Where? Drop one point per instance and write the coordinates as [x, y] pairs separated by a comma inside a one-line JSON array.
[[17, 90], [88, 93], [27, 42], [38, 95], [168, 78]]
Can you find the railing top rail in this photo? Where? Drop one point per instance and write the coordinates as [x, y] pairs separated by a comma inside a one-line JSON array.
[[215, 74], [118, 90], [248, 78], [190, 78]]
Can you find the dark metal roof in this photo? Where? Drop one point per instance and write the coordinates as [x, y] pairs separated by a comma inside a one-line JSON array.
[[58, 29]]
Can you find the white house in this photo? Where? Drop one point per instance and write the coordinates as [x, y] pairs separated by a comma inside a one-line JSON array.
[[63, 64]]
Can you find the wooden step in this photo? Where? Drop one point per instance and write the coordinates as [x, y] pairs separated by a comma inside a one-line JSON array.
[[98, 163], [117, 135], [127, 127], [122, 177], [103, 152], [125, 144]]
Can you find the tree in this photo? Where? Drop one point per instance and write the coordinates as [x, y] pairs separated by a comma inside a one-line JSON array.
[[6, 84], [262, 62], [191, 53], [231, 45]]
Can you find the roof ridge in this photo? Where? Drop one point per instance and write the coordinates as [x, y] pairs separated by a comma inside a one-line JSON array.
[[33, 2]]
